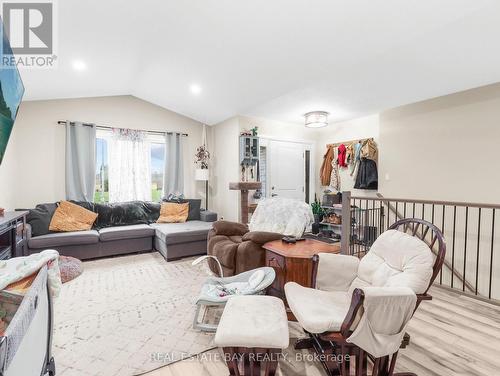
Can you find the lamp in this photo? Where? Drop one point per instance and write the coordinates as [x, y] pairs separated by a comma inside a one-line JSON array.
[[316, 119], [202, 174]]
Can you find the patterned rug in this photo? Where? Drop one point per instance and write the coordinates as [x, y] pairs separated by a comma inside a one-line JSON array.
[[125, 313]]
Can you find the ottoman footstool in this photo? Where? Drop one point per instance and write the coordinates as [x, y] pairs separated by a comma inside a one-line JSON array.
[[252, 332]]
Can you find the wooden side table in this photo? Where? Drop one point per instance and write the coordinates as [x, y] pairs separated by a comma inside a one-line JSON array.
[[293, 263]]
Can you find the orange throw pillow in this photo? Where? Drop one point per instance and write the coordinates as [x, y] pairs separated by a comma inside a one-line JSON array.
[[71, 217], [171, 212]]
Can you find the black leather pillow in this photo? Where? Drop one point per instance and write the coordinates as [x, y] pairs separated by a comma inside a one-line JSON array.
[[40, 217], [194, 207]]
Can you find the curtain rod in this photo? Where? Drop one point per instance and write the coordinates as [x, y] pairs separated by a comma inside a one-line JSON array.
[[349, 142], [62, 122]]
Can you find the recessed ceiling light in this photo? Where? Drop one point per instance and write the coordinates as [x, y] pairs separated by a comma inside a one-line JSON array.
[[195, 89], [79, 65]]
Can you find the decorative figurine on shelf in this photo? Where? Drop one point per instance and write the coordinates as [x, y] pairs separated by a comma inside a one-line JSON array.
[[252, 132]]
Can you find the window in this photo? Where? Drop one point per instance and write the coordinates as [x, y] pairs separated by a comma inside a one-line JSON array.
[[157, 169], [101, 179], [157, 149]]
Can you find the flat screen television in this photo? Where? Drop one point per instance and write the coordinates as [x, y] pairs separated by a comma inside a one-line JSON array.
[[11, 94]]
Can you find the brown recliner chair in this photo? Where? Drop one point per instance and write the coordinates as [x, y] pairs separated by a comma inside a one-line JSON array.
[[237, 248]]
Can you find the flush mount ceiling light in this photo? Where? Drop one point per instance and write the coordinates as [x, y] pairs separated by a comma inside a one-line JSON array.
[[316, 119]]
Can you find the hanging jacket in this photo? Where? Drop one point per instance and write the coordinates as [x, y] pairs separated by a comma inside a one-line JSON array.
[[349, 154], [367, 177], [357, 157], [326, 167], [335, 175], [342, 156], [369, 150]]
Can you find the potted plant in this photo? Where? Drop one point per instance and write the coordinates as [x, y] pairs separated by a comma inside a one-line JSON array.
[[317, 210]]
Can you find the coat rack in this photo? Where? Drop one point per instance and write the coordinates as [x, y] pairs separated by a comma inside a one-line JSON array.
[[362, 140]]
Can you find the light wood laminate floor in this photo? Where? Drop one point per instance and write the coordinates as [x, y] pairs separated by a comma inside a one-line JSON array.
[[452, 335]]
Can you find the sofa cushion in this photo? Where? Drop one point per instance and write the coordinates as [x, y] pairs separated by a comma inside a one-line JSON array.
[[172, 212], [396, 259], [64, 238], [40, 217], [174, 233], [317, 311], [194, 206], [125, 232], [71, 217]]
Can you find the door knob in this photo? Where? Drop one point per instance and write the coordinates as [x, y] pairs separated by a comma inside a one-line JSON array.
[[273, 195]]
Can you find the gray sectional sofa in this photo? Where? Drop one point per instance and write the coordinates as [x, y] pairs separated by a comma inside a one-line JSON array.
[[172, 240]]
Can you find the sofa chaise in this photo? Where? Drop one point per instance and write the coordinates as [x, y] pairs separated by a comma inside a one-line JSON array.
[[121, 229]]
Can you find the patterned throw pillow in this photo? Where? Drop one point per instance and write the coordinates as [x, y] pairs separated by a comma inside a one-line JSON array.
[[71, 217], [171, 212]]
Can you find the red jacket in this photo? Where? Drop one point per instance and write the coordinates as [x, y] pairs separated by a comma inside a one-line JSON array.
[[342, 155]]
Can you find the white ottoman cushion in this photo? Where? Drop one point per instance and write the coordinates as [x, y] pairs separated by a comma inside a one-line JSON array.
[[253, 321]]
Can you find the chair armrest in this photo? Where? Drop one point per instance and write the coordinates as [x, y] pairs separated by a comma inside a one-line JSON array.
[[261, 237], [387, 310], [335, 272], [229, 228]]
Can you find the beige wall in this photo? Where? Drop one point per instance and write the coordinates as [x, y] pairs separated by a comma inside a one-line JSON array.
[[272, 129], [444, 148], [224, 146], [225, 164], [34, 162]]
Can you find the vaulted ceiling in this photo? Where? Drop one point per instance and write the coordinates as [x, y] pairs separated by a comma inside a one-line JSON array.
[[272, 58]]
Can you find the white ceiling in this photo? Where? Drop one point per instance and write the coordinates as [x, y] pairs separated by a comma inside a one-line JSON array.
[[274, 59]]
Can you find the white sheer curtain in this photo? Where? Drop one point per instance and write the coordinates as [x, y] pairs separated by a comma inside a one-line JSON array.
[[129, 166]]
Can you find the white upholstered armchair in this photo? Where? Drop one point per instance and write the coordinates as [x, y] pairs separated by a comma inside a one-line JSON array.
[[360, 307]]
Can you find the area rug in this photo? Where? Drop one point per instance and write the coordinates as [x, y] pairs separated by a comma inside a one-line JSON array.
[[125, 313]]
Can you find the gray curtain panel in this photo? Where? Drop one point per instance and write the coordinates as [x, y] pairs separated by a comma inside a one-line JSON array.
[[80, 161], [173, 178]]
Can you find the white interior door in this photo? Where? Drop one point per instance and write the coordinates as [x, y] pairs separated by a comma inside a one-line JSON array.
[[286, 169]]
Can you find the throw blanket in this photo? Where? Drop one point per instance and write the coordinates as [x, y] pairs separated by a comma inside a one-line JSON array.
[[17, 268], [386, 312], [282, 215]]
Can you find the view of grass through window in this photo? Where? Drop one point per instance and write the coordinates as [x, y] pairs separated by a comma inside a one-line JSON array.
[[102, 181]]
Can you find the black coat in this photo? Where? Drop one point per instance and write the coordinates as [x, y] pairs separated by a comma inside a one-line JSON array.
[[367, 177]]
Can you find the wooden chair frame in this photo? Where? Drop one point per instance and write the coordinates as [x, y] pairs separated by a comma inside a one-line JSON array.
[[332, 345]]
